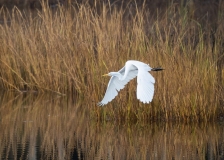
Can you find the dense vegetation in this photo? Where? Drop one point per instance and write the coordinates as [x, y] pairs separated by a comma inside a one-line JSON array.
[[65, 50]]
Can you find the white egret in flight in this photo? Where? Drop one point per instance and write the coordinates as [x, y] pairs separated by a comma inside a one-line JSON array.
[[118, 80]]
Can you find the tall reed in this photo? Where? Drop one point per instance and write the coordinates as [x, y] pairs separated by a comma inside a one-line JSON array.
[[66, 50]]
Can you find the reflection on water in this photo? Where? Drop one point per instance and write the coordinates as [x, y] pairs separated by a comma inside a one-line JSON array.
[[35, 126]]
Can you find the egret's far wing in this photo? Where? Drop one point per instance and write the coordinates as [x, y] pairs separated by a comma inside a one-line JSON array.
[[115, 85], [145, 88]]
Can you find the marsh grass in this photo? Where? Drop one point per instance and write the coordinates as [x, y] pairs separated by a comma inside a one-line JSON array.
[[66, 50]]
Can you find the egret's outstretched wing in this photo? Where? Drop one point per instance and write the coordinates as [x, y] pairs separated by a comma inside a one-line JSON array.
[[115, 85], [145, 88]]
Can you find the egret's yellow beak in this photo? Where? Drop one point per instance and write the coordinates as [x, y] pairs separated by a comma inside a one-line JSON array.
[[105, 75]]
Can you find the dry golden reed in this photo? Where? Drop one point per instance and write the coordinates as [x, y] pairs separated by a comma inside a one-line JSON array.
[[66, 50]]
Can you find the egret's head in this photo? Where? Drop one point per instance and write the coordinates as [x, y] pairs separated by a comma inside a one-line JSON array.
[[106, 74], [111, 74]]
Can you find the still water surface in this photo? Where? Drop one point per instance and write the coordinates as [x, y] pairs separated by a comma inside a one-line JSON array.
[[34, 126]]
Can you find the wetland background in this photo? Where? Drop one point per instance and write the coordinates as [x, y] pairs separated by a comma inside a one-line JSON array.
[[65, 47], [52, 56]]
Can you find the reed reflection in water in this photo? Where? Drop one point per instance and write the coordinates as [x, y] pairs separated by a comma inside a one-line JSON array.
[[35, 126]]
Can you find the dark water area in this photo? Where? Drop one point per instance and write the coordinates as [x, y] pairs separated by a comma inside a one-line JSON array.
[[35, 126]]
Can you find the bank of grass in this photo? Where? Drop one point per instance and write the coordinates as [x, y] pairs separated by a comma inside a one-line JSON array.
[[66, 50]]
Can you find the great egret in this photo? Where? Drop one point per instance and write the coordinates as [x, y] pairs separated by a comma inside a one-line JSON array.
[[118, 80]]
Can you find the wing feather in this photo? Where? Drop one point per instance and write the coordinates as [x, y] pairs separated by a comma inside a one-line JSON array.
[[145, 88], [115, 85]]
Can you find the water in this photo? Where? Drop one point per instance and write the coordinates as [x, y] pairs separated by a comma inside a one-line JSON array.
[[35, 126]]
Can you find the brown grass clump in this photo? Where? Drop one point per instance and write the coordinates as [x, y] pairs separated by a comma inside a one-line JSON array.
[[66, 50]]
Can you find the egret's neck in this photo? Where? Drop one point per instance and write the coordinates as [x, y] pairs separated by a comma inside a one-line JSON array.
[[117, 74]]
